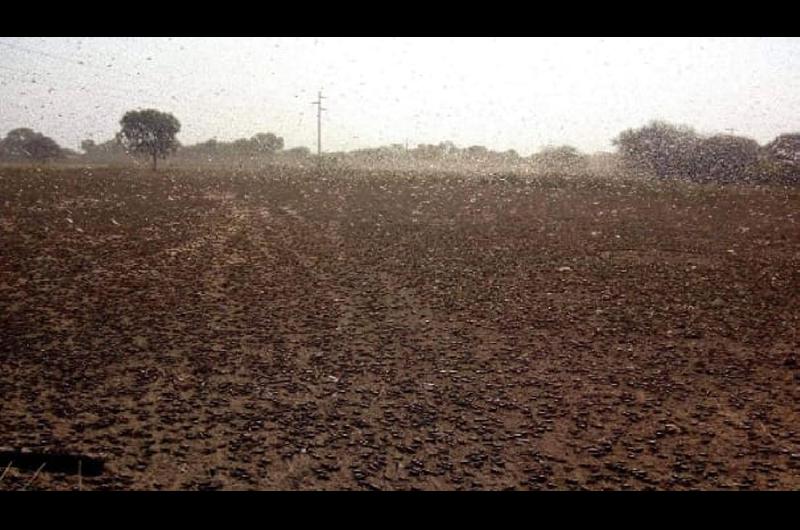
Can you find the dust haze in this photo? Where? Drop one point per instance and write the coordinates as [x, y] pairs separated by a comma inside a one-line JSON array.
[[399, 263]]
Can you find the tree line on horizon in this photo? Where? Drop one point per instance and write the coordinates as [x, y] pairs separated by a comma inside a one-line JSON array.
[[659, 149], [668, 151]]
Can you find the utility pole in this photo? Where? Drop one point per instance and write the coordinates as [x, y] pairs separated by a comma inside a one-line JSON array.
[[318, 103]]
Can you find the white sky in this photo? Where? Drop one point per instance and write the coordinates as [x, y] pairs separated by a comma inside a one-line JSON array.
[[503, 93]]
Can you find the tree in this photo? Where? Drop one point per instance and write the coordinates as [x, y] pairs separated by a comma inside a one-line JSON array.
[[88, 146], [726, 157], [209, 146], [476, 152], [241, 145], [43, 148], [667, 150], [448, 148], [427, 151], [108, 151], [659, 148], [27, 144], [785, 149], [298, 152], [564, 158], [150, 133], [14, 144], [267, 143], [433, 152]]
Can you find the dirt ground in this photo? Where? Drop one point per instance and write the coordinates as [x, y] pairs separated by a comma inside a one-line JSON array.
[[287, 330]]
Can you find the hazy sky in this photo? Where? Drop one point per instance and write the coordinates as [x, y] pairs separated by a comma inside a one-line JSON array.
[[504, 93]]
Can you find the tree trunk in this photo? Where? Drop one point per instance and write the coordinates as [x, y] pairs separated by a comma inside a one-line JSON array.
[[154, 161]]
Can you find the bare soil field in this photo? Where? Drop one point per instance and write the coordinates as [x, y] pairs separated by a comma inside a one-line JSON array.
[[286, 330]]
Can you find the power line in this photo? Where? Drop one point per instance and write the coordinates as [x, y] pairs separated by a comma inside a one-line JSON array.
[[36, 92], [35, 102], [61, 79], [178, 96], [57, 79], [61, 58], [318, 103], [78, 62], [76, 85], [80, 89]]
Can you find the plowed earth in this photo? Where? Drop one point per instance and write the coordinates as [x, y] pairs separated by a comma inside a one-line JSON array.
[[283, 330]]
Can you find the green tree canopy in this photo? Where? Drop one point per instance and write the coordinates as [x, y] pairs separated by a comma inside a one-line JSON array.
[[149, 133], [563, 158], [784, 149], [726, 157], [676, 151], [660, 148], [26, 144], [267, 143]]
